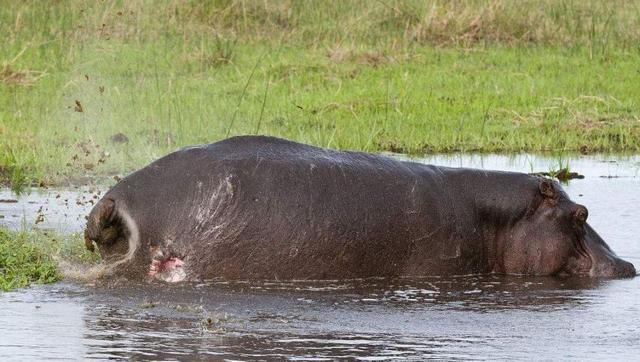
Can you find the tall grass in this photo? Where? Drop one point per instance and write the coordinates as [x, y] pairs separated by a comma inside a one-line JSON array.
[[590, 23], [404, 76]]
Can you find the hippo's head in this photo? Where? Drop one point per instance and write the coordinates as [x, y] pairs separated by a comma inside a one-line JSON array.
[[554, 238]]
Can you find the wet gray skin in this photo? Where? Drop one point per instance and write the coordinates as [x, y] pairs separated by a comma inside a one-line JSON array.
[[265, 208]]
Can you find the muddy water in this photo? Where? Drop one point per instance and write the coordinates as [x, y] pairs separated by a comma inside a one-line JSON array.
[[469, 317]]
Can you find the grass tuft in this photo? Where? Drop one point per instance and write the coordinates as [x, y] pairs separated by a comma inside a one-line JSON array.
[[23, 262], [11, 76], [28, 257]]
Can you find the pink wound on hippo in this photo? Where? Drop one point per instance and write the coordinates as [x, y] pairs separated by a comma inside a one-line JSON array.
[[169, 270]]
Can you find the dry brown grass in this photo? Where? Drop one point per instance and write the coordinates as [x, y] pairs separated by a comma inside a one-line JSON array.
[[587, 113], [11, 76], [561, 22], [373, 58]]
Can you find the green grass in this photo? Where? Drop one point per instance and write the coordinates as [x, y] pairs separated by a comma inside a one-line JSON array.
[[403, 76], [22, 262], [32, 257]]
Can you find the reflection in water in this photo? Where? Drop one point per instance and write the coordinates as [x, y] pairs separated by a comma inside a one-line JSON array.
[[466, 317], [461, 317]]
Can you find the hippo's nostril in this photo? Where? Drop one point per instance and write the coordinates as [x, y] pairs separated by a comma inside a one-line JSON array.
[[631, 270], [614, 268]]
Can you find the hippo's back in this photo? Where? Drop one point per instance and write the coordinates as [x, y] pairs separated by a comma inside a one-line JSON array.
[[276, 151]]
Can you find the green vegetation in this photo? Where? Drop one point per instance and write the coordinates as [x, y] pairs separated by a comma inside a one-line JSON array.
[[22, 261], [560, 171], [90, 89], [31, 257]]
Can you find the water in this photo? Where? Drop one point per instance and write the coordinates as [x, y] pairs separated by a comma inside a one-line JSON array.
[[63, 210], [467, 317]]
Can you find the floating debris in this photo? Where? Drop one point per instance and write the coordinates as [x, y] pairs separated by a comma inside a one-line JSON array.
[[78, 107], [562, 174]]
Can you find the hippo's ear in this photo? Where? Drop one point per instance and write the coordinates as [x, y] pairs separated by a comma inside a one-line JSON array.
[[547, 189], [97, 220]]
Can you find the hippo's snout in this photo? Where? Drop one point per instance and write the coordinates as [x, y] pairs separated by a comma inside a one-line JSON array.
[[604, 262], [615, 268], [625, 269]]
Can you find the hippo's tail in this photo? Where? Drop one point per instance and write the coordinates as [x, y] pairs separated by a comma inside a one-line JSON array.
[[109, 224]]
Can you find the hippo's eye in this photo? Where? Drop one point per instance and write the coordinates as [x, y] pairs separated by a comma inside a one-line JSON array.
[[580, 216]]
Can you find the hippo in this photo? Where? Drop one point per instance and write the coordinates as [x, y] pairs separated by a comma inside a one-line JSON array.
[[257, 207]]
